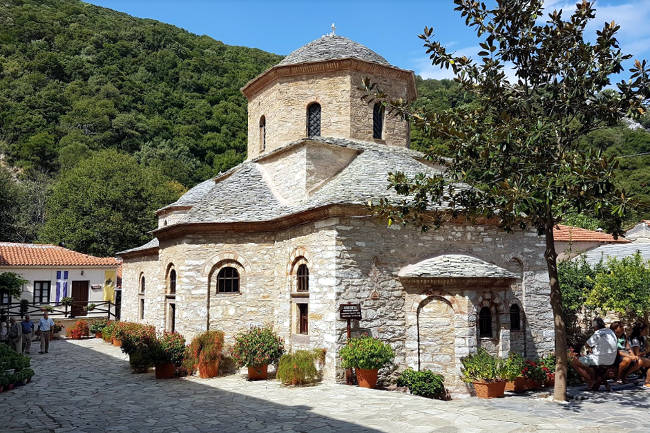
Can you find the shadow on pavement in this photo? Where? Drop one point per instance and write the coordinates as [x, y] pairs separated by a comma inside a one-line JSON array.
[[84, 390]]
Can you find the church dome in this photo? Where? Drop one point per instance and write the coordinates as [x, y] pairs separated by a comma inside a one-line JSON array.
[[332, 47]]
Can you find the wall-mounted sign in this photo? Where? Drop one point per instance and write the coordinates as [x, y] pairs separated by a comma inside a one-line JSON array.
[[350, 311], [96, 286]]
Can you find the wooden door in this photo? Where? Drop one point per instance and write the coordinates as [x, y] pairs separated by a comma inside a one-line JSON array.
[[80, 297]]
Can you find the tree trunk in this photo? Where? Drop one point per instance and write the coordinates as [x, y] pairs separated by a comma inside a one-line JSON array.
[[558, 319]]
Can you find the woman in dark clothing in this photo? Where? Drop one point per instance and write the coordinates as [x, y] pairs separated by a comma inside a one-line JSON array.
[[638, 347]]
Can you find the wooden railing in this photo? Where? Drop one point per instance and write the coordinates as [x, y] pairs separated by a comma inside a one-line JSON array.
[[102, 309]]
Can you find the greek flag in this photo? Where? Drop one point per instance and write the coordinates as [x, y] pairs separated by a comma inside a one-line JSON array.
[[61, 283]]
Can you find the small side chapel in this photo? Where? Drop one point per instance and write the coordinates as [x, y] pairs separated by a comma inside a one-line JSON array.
[[285, 237]]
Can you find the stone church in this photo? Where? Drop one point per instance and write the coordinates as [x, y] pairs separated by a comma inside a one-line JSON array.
[[285, 237]]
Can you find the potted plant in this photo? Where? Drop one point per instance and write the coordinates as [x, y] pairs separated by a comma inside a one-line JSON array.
[[97, 328], [204, 353], [256, 349], [534, 374], [107, 332], [516, 381], [47, 308], [78, 331], [486, 372], [299, 368], [366, 355], [119, 332], [137, 342], [167, 354]]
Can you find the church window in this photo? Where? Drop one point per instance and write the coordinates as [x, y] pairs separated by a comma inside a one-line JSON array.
[[303, 278], [172, 281], [141, 300], [141, 308], [485, 323], [303, 318], [313, 120], [515, 318], [377, 120], [142, 285], [262, 133], [228, 280]]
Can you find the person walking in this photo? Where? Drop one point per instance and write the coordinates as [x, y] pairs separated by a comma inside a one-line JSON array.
[[45, 326], [28, 334], [15, 335]]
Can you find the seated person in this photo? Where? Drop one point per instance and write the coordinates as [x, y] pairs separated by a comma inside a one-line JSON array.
[[603, 344], [625, 358], [638, 347]]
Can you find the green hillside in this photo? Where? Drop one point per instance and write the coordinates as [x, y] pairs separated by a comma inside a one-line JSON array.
[[76, 78]]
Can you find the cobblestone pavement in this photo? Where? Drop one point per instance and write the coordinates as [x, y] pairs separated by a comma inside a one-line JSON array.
[[86, 386]]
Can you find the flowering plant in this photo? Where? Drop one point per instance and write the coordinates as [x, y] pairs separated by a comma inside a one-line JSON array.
[[108, 331], [80, 329], [204, 348], [257, 347], [98, 326], [548, 366], [169, 348], [533, 371], [136, 337]]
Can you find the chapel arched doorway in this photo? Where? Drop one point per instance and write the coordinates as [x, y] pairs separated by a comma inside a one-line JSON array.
[[436, 337]]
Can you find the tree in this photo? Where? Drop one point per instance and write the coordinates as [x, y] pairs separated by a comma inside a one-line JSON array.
[[624, 288], [517, 146], [8, 205], [11, 284], [106, 203]]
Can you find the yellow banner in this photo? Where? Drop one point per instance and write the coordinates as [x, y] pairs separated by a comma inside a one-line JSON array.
[[109, 285]]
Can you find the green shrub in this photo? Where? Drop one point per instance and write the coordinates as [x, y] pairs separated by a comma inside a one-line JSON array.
[[98, 326], [424, 383], [483, 367], [257, 347], [108, 331], [298, 368], [367, 353], [513, 367]]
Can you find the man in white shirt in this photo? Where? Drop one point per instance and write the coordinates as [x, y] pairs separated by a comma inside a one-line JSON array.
[[45, 326], [603, 344]]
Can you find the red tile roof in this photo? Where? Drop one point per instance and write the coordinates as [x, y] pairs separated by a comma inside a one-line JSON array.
[[564, 233], [16, 254]]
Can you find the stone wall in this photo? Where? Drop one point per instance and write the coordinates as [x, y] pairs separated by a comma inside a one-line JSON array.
[[132, 270], [369, 256]]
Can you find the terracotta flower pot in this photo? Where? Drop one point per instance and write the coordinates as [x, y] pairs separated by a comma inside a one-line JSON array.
[[98, 335], [165, 371], [10, 387], [518, 385], [489, 389], [533, 384], [366, 378], [117, 342], [258, 373], [208, 369]]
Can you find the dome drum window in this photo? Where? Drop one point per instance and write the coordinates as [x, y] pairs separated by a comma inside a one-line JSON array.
[[377, 121], [172, 282], [228, 280], [262, 133], [313, 120]]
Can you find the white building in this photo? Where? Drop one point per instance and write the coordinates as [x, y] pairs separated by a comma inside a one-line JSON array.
[[54, 272]]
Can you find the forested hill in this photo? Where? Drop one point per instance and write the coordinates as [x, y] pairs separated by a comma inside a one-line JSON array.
[[76, 77]]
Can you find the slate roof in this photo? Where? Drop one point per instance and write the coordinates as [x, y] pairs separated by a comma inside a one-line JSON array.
[[331, 47], [17, 254], [562, 233], [193, 195], [151, 244], [242, 195], [616, 250], [454, 266]]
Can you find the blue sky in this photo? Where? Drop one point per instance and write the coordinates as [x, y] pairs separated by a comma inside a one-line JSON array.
[[388, 27]]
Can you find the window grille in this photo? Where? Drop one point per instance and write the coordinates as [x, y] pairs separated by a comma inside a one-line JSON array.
[[313, 120], [377, 120], [228, 280], [303, 278]]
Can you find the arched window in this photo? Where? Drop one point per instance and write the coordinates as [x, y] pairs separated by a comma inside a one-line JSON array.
[[377, 120], [515, 318], [313, 120], [142, 285], [228, 280], [485, 323], [303, 278], [262, 133], [172, 282]]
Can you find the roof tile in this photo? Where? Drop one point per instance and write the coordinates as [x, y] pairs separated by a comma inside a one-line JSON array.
[[564, 233], [17, 254]]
